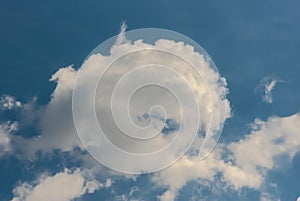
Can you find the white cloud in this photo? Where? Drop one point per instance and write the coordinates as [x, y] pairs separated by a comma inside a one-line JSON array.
[[298, 199], [268, 84], [211, 101], [5, 145], [6, 130], [245, 166], [9, 103], [58, 131], [122, 38], [184, 170], [63, 186], [108, 183], [57, 126], [167, 196], [250, 158], [237, 177], [268, 140]]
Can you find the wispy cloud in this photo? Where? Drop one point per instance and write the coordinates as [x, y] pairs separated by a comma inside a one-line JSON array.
[[121, 37], [268, 83]]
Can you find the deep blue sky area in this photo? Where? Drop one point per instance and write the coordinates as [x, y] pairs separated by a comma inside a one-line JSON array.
[[247, 40]]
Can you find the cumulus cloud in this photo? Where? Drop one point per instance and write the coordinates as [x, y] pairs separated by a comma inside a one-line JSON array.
[[55, 121], [57, 130], [268, 84], [57, 127], [192, 168], [211, 93], [63, 186], [268, 140], [8, 102], [247, 163]]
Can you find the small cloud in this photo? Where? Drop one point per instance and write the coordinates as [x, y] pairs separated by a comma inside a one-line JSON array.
[[108, 183], [268, 83], [9, 103], [121, 39]]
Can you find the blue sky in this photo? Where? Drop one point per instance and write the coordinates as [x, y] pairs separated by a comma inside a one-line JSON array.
[[248, 41]]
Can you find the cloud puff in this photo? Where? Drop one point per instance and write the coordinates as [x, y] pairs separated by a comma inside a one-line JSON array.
[[268, 83], [9, 103], [63, 186]]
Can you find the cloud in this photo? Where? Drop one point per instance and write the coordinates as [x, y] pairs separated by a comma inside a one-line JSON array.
[[9, 103], [186, 169], [167, 196], [57, 127], [57, 130], [55, 121], [268, 140], [6, 130], [212, 95], [122, 38], [63, 186], [268, 84], [241, 164]]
